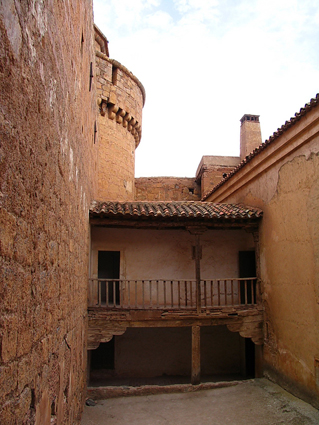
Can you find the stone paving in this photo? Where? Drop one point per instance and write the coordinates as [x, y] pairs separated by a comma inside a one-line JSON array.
[[253, 402]]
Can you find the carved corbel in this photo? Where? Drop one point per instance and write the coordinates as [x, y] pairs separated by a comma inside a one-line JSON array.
[[249, 327], [139, 130], [102, 331], [103, 108], [127, 118], [131, 124], [112, 110], [120, 115]]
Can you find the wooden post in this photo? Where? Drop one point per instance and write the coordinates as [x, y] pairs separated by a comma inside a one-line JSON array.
[[197, 255], [197, 273], [195, 378], [259, 290]]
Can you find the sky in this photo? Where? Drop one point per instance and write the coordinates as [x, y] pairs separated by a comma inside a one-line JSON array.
[[206, 63]]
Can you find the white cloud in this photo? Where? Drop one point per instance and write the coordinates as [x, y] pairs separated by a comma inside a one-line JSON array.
[[206, 63], [160, 20]]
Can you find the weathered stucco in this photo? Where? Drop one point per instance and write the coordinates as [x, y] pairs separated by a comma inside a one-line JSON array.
[[167, 254], [283, 180]]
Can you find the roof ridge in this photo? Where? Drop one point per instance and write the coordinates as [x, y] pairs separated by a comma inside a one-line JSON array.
[[292, 121]]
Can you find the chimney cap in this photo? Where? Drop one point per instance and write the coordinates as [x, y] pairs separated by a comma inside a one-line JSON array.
[[250, 117]]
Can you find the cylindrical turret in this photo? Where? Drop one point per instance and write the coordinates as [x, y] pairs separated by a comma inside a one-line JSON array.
[[121, 98]]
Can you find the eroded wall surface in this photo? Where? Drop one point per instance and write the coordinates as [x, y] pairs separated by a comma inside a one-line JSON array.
[[166, 189], [212, 169], [285, 184], [121, 98], [47, 155]]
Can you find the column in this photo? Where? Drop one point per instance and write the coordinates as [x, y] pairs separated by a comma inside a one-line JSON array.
[[195, 378]]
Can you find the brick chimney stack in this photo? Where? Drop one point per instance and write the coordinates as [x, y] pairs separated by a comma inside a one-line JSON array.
[[250, 134]]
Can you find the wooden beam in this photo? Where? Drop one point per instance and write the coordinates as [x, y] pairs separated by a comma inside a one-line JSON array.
[[174, 223], [195, 378]]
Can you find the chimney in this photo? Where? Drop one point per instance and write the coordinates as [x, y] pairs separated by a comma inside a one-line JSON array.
[[250, 134]]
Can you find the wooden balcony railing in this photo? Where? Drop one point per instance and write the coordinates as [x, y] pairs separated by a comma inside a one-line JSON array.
[[172, 294]]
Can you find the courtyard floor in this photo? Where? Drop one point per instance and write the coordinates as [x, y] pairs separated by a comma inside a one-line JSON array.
[[252, 402]]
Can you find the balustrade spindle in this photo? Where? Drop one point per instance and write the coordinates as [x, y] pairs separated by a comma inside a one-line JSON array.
[[172, 294], [205, 295], [136, 294], [225, 291], [164, 283], [246, 293], [232, 291], [157, 286], [172, 301], [129, 293], [143, 295]]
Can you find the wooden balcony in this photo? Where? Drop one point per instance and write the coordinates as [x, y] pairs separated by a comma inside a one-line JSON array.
[[178, 295], [116, 304]]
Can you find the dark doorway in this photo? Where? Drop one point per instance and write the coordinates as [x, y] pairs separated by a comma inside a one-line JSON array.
[[247, 268], [103, 356], [109, 268], [250, 358]]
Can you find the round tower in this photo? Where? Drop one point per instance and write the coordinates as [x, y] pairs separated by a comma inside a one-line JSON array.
[[121, 98]]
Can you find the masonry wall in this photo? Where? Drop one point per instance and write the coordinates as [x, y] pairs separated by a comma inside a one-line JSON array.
[[47, 157], [166, 189], [121, 98], [211, 171], [283, 180]]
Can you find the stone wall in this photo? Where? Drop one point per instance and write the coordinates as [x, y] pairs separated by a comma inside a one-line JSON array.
[[212, 169], [47, 156], [166, 189], [121, 98]]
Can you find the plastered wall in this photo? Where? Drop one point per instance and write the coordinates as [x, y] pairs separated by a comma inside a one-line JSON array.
[[285, 184], [167, 254], [47, 163]]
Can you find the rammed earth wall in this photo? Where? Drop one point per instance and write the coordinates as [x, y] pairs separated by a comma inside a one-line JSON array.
[[47, 156]]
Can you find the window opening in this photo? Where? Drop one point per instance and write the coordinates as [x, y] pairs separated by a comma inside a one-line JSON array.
[[114, 75], [109, 268], [247, 268]]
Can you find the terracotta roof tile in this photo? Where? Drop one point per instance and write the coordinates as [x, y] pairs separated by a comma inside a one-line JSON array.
[[303, 111], [173, 210]]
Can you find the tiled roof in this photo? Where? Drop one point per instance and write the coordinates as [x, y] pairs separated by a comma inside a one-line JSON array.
[[173, 210], [298, 115]]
